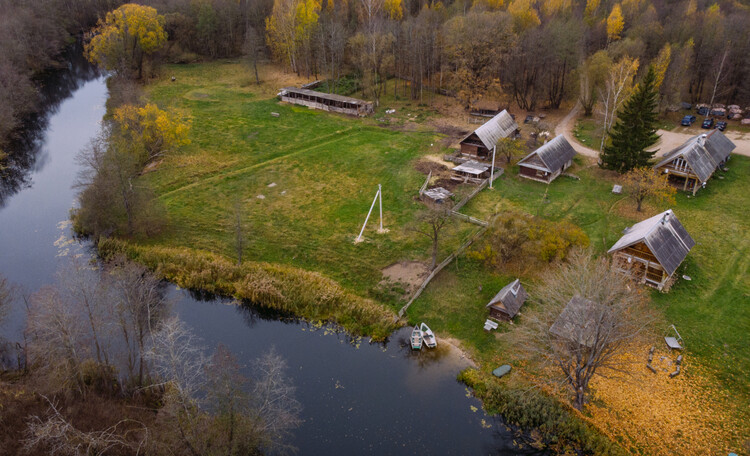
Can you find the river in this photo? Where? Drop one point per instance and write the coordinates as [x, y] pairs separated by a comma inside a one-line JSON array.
[[357, 397]]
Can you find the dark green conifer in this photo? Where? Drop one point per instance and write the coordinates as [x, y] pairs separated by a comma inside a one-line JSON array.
[[635, 129]]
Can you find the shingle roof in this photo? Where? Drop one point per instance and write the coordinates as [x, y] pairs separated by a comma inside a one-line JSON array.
[[702, 152], [554, 153], [500, 126], [512, 297], [329, 96], [665, 237], [577, 322]]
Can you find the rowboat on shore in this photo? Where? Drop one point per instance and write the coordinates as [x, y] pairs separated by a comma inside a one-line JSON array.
[[428, 336], [416, 338]]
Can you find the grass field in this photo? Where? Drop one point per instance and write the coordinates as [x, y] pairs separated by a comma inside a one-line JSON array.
[[305, 180]]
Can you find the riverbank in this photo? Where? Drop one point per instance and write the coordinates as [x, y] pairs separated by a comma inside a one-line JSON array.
[[306, 178]]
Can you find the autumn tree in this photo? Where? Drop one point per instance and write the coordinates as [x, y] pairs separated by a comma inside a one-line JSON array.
[[524, 15], [290, 29], [587, 315], [430, 223], [635, 129], [617, 87], [592, 76], [615, 23], [160, 131], [126, 37], [644, 183], [509, 148]]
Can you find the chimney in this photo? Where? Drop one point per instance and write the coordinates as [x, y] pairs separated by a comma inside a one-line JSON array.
[[702, 139], [665, 218]]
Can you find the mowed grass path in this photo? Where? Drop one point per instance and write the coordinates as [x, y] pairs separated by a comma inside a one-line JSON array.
[[711, 311], [304, 180]]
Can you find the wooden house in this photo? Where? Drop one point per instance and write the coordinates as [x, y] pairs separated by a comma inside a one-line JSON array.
[[508, 301], [691, 165], [547, 162], [577, 322], [479, 144], [326, 101], [652, 250], [471, 171]]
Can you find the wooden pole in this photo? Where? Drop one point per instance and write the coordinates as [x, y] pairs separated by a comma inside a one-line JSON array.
[[492, 170], [380, 198], [359, 238]]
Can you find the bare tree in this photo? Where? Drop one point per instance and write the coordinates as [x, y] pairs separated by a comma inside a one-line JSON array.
[[5, 298], [588, 314], [617, 86], [430, 223]]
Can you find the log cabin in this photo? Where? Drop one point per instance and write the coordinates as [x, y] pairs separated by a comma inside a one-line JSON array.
[[326, 101], [547, 162], [651, 250], [691, 165], [479, 144], [508, 301]]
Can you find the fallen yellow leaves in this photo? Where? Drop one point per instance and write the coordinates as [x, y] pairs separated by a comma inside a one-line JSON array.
[[657, 415]]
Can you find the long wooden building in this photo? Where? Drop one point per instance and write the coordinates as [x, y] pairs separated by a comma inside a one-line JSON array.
[[326, 101], [480, 142], [508, 301], [691, 165], [547, 162], [651, 250]]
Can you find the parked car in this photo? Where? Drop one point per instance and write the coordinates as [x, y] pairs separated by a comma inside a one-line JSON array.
[[708, 123], [719, 112], [687, 121], [721, 125], [703, 111]]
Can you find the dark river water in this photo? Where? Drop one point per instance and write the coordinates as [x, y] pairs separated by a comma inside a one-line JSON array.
[[358, 398]]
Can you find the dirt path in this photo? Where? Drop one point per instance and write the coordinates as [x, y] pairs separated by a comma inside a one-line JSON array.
[[565, 128]]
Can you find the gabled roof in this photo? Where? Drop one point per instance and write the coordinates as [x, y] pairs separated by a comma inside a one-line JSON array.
[[554, 153], [329, 96], [576, 322], [472, 167], [702, 152], [664, 235], [500, 126], [510, 298]]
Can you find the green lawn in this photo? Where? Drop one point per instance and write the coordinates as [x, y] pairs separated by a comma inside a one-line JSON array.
[[316, 174]]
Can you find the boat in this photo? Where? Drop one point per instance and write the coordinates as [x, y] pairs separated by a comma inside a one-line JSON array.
[[416, 338], [502, 370], [428, 336]]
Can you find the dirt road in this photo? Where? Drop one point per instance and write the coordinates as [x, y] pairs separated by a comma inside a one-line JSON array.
[[669, 139]]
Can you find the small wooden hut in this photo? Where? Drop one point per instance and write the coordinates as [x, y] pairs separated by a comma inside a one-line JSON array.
[[652, 250], [691, 165], [471, 171], [437, 195], [547, 162], [485, 108], [326, 101], [508, 301], [480, 142], [576, 322]]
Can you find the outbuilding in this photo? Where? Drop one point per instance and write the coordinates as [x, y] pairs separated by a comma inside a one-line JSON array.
[[326, 101], [479, 144], [651, 250], [471, 171], [508, 301], [691, 165], [547, 162]]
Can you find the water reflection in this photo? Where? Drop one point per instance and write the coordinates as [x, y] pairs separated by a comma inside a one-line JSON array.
[[26, 154]]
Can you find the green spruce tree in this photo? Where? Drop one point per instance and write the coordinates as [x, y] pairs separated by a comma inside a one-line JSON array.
[[635, 129]]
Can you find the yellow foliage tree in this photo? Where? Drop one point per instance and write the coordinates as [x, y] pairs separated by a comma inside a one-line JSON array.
[[661, 64], [524, 15], [491, 4], [290, 27], [125, 37], [394, 9], [615, 23], [158, 130], [552, 8], [589, 14], [645, 183]]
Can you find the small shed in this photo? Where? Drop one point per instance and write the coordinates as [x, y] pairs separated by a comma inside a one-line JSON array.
[[547, 162], [508, 301], [471, 171], [485, 108], [326, 101], [577, 322], [651, 250], [437, 195], [691, 165], [480, 142]]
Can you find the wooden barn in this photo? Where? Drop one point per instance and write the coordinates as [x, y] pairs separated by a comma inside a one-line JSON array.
[[480, 142], [652, 250], [576, 322], [326, 101], [691, 165], [471, 171], [508, 301], [547, 162]]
